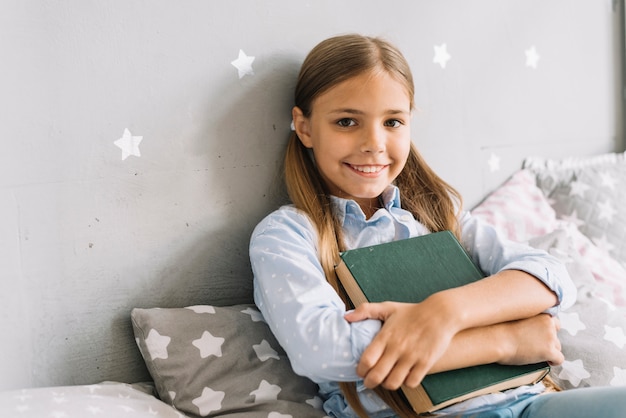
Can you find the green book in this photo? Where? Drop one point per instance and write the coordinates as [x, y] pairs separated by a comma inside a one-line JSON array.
[[410, 270]]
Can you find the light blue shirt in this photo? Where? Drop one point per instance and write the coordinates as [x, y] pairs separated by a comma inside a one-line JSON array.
[[307, 316]]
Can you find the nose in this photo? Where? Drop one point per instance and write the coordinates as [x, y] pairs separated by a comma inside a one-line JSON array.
[[373, 140]]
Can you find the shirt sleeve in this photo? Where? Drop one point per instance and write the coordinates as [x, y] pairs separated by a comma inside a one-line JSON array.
[[302, 309], [493, 253]]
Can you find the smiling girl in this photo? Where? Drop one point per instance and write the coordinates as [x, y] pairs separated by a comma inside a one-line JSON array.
[[355, 179]]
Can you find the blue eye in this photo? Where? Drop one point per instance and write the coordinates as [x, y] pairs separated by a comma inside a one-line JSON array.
[[346, 122]]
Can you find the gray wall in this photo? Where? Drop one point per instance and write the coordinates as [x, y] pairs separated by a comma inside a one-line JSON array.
[[85, 235]]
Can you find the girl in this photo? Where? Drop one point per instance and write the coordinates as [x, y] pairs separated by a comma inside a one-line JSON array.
[[356, 179]]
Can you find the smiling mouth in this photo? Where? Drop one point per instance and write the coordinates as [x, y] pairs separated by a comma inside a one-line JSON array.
[[367, 169]]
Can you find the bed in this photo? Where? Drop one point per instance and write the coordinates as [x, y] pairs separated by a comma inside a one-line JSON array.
[[224, 361]]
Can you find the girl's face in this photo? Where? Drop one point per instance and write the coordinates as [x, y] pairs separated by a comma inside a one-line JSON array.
[[359, 132]]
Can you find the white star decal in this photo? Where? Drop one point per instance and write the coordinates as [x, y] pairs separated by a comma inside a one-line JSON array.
[[571, 322], [243, 63], [532, 58], [606, 211], [619, 377], [264, 351], [254, 314], [209, 401], [574, 371], [578, 188], [157, 344], [266, 392], [608, 180], [202, 309], [441, 55], [129, 144], [494, 163], [209, 345], [615, 335]]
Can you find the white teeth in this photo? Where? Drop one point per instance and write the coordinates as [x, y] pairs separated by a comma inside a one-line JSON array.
[[368, 168]]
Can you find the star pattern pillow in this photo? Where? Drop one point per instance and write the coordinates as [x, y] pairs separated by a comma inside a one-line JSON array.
[[221, 361], [591, 193], [593, 331]]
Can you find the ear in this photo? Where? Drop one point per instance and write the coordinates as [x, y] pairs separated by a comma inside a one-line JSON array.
[[302, 126]]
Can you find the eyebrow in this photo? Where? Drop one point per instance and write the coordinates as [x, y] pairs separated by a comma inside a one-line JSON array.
[[360, 112]]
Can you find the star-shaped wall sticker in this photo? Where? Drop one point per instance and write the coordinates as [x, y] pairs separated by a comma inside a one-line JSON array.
[[494, 163], [532, 57], [129, 144], [209, 345], [264, 351], [441, 55], [266, 392], [243, 63], [209, 401], [157, 344]]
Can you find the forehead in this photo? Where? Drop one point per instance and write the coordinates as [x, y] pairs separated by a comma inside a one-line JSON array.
[[372, 90]]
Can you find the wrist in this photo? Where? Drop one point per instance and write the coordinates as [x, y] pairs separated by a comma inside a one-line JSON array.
[[451, 313]]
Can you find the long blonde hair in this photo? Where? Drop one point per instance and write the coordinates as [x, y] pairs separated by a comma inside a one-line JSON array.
[[431, 200]]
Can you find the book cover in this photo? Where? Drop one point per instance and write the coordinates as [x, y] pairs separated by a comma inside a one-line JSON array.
[[410, 270]]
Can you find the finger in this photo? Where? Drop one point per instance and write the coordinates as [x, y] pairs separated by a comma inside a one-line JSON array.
[[398, 375], [370, 357], [415, 376], [379, 374], [368, 311]]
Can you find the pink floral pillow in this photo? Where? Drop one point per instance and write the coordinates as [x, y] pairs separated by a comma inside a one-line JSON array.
[[518, 208]]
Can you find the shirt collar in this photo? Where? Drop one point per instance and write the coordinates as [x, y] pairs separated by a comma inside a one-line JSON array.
[[343, 207]]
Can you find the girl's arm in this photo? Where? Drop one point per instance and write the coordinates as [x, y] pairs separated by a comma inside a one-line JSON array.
[[454, 328], [525, 341], [523, 282]]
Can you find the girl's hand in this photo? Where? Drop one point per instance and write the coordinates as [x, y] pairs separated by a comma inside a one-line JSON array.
[[413, 337], [532, 340]]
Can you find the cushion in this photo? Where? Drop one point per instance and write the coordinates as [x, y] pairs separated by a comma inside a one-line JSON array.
[[593, 330], [221, 361], [518, 208], [590, 193], [106, 400]]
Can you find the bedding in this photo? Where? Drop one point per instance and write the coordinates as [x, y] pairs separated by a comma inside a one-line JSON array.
[[210, 361], [106, 399], [541, 200]]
